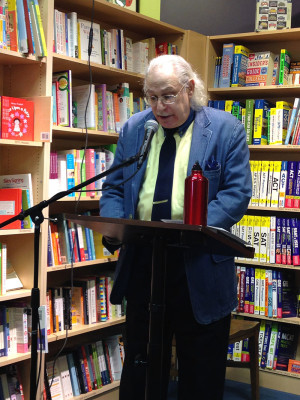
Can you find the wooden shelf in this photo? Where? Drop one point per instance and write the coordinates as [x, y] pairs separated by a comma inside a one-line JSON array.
[[8, 142], [82, 329], [98, 392], [14, 358], [274, 210], [15, 294], [79, 135], [81, 264], [256, 92], [8, 57], [101, 73], [278, 372], [268, 265], [116, 16], [6, 232], [269, 149], [292, 320]]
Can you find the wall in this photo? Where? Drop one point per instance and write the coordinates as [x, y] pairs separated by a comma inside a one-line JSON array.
[[216, 17]]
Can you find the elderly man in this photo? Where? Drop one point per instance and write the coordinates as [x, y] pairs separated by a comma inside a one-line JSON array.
[[200, 287]]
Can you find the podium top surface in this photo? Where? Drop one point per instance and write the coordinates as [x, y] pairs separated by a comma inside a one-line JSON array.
[[174, 233]]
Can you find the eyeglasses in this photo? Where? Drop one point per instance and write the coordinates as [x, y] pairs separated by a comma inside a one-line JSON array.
[[165, 99]]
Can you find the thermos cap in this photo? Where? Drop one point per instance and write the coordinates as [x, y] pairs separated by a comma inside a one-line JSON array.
[[196, 167]]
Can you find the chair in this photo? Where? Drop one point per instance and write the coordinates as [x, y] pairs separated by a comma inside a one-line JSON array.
[[239, 329], [242, 329]]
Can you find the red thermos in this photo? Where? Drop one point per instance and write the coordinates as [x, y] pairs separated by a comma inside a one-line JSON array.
[[195, 197]]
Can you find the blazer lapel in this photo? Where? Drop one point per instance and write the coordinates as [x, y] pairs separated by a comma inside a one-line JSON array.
[[200, 140]]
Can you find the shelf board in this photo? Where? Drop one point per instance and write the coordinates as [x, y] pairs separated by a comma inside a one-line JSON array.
[[267, 265], [276, 371], [119, 17], [14, 358], [81, 264], [82, 329], [15, 294], [8, 57], [96, 393], [6, 232], [74, 199], [254, 37], [256, 91], [9, 142], [292, 320], [101, 73], [273, 209], [97, 137], [263, 148]]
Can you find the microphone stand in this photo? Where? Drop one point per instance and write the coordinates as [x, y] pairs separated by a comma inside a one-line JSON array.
[[37, 218]]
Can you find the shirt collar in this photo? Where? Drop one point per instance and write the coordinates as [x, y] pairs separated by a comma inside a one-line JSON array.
[[182, 128]]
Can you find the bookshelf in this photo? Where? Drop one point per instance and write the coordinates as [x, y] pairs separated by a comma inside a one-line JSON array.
[[259, 41], [137, 27]]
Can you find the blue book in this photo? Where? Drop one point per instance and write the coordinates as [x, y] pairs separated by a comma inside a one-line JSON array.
[[274, 293], [295, 241], [227, 62], [279, 294], [88, 243], [240, 63], [217, 71], [22, 33], [230, 351], [283, 241], [288, 242], [270, 293], [219, 104], [73, 375], [252, 290], [278, 241], [292, 122]]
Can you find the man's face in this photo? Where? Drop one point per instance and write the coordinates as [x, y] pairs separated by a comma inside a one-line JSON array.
[[163, 81]]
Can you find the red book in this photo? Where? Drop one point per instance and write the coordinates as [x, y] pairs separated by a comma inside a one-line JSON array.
[[162, 48], [10, 206], [87, 372], [17, 119]]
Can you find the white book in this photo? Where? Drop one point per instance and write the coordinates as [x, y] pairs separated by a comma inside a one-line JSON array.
[[73, 35], [250, 230], [114, 356], [100, 166], [21, 321], [257, 291], [83, 95], [128, 54], [237, 351], [122, 50], [63, 368], [270, 181], [272, 346], [100, 356], [54, 380], [113, 47], [265, 165], [43, 341], [59, 308], [274, 293], [262, 295], [62, 172], [275, 184], [12, 331], [124, 105], [20, 181], [273, 125], [83, 29], [64, 97], [261, 337], [92, 301], [3, 249], [282, 184], [264, 238]]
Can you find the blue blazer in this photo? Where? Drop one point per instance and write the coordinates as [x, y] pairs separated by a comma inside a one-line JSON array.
[[217, 136]]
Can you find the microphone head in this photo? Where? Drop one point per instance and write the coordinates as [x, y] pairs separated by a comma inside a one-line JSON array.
[[151, 124]]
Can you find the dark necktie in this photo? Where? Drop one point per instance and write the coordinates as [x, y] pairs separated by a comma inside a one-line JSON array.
[[163, 189]]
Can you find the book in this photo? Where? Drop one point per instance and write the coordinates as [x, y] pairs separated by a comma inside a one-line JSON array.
[[41, 34], [227, 63], [17, 118], [240, 64], [64, 97], [73, 374], [284, 66], [249, 120], [84, 96], [272, 15], [21, 27], [261, 107], [260, 69], [83, 29], [287, 346], [63, 369], [12, 26], [54, 380], [10, 206]]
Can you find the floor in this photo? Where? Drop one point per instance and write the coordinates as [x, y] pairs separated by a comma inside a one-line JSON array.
[[242, 391]]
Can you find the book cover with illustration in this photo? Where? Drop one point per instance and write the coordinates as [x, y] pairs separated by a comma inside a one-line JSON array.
[[17, 119]]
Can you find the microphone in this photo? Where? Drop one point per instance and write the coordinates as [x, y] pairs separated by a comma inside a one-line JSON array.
[[151, 127]]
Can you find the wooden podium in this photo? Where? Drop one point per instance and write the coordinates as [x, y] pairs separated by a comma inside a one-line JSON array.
[[161, 235]]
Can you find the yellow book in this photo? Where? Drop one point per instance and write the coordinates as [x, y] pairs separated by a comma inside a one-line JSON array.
[[255, 184], [257, 284], [131, 108], [228, 105], [265, 165], [273, 123], [264, 239], [258, 126], [256, 237]]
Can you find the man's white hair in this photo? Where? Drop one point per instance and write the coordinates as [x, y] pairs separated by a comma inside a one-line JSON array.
[[183, 70]]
